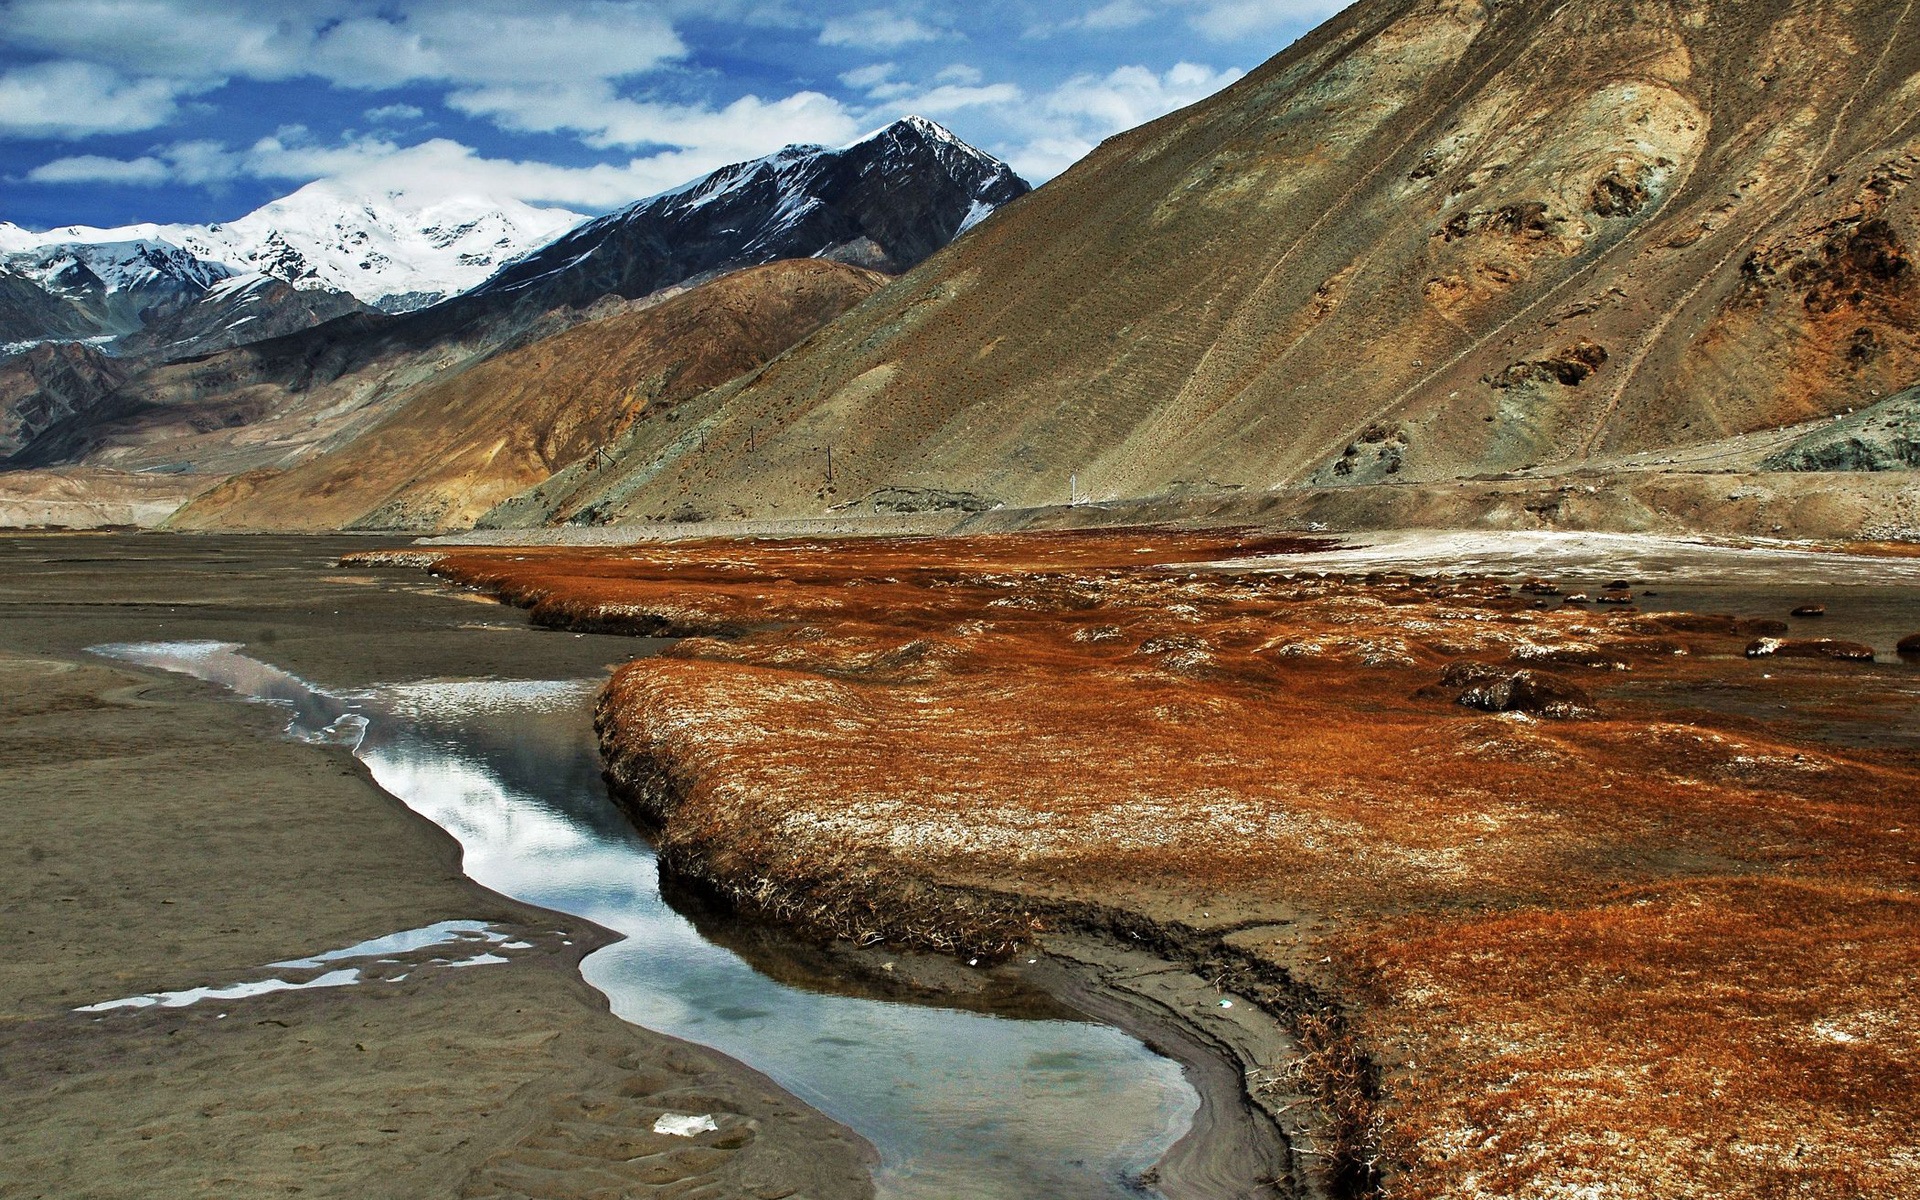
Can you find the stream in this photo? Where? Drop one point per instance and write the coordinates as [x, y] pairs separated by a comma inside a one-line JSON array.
[[1025, 1100]]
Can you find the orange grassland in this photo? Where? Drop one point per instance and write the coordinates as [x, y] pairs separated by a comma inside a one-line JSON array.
[[1663, 950]]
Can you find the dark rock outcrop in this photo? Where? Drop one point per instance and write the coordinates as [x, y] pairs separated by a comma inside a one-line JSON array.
[[1883, 437], [48, 384], [886, 202], [1492, 688]]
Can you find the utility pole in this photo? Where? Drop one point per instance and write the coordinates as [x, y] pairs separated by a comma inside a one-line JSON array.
[[1073, 489], [829, 462]]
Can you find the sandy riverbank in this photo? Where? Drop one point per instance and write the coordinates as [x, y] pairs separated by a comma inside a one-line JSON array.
[[1633, 916], [161, 836]]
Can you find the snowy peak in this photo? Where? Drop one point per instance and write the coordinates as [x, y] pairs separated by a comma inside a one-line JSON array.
[[388, 249], [391, 250], [886, 201], [141, 264]]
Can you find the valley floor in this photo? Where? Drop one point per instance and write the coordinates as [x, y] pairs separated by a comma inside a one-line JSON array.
[[161, 836], [1555, 899]]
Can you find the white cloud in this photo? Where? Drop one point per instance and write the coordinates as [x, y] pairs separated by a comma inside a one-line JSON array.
[[145, 171], [953, 97], [955, 87], [394, 114], [876, 30], [353, 43], [694, 138], [1229, 20], [435, 168], [74, 99], [1067, 123], [1121, 14], [870, 76]]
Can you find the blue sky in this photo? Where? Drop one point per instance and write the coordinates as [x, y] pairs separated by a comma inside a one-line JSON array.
[[113, 111]]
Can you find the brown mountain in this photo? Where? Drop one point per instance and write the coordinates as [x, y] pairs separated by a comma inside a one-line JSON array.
[[464, 440], [1434, 239]]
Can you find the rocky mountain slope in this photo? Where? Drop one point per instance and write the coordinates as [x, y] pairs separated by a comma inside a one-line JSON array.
[[1435, 239], [48, 384], [469, 438], [886, 202]]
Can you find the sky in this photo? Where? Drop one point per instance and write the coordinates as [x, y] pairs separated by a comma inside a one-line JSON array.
[[116, 111]]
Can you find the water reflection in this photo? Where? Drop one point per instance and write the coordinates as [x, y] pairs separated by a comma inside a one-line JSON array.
[[958, 1103]]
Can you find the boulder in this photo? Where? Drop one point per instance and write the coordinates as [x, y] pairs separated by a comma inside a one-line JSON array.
[[1773, 647], [1810, 610], [1910, 645], [1492, 688]]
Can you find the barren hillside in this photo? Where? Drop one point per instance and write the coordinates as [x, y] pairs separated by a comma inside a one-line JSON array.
[[1432, 240], [464, 441]]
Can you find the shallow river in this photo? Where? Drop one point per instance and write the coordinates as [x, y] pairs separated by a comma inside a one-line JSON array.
[[958, 1103]]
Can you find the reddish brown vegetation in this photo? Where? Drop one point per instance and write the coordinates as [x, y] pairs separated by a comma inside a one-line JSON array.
[[1647, 951]]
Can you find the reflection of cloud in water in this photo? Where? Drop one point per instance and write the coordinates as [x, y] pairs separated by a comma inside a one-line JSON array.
[[958, 1103]]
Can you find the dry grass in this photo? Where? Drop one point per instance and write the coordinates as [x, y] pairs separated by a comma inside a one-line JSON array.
[[1659, 952]]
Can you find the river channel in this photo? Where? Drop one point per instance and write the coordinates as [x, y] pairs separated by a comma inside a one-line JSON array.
[[958, 1103]]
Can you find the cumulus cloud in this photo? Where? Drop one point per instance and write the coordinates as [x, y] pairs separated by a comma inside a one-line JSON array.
[[953, 88], [431, 169], [73, 100], [1217, 20], [394, 114], [1230, 20], [353, 43], [600, 117], [1068, 122], [145, 171], [876, 30]]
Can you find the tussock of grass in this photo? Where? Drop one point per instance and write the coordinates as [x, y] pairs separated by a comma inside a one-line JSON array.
[[1648, 952]]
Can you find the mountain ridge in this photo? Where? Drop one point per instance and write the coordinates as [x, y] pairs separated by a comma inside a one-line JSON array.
[[1433, 240], [388, 248]]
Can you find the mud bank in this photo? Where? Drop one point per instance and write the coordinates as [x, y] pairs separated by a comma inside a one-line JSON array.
[[161, 836], [1550, 896]]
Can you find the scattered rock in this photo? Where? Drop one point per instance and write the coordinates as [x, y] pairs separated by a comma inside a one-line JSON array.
[[1773, 647], [1539, 587], [1579, 598], [1493, 688], [1527, 219], [1616, 596]]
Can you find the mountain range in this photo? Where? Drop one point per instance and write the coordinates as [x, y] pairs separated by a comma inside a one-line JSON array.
[[388, 249], [281, 404], [1494, 259]]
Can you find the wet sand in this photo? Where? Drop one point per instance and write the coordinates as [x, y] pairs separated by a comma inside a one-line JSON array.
[[162, 836]]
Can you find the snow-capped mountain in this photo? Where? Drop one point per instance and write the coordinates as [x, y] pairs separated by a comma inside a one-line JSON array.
[[389, 249], [886, 201], [144, 295]]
